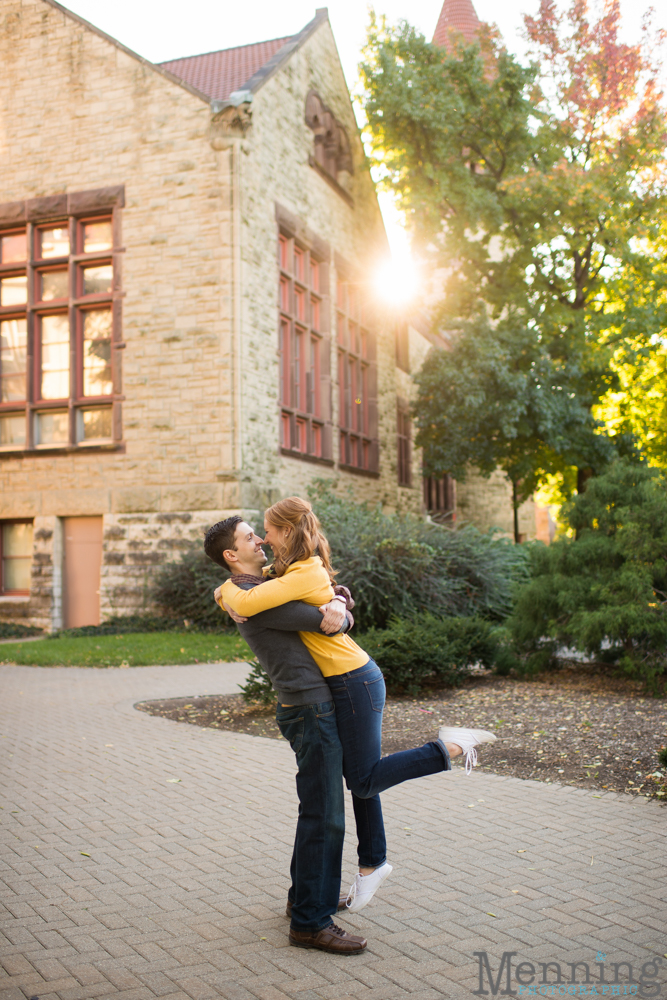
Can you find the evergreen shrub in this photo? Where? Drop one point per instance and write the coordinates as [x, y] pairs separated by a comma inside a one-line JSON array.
[[427, 651], [126, 625], [183, 589], [603, 591], [257, 688], [401, 565], [14, 630]]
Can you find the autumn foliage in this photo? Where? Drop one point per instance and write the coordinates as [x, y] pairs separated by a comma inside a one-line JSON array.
[[536, 192]]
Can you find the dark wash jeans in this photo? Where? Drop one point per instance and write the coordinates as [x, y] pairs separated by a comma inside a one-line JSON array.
[[318, 846], [359, 697]]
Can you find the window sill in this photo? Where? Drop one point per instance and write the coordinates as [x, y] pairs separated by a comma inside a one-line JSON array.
[[67, 449], [304, 457], [14, 598], [331, 181], [359, 472]]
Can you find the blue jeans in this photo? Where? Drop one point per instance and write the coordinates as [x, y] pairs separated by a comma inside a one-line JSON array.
[[320, 830], [359, 697]]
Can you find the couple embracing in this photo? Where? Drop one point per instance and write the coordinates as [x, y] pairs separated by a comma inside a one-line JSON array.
[[331, 696]]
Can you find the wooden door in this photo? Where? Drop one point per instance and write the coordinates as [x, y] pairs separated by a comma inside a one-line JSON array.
[[81, 570]]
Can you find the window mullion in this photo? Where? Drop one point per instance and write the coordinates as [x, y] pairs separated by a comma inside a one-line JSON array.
[[73, 329], [31, 346]]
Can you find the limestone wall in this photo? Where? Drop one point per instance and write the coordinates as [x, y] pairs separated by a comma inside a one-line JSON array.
[[487, 503], [275, 170], [76, 113], [135, 544]]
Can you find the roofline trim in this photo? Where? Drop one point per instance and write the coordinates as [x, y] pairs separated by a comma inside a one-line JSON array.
[[130, 52], [276, 62], [231, 48], [256, 81]]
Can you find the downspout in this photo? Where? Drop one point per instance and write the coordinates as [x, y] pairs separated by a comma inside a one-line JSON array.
[[228, 145], [57, 616], [235, 189], [515, 509]]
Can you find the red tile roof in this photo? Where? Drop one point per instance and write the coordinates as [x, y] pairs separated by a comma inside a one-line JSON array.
[[219, 74], [457, 16]]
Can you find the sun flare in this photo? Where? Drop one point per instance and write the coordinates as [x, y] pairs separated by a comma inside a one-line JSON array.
[[397, 281]]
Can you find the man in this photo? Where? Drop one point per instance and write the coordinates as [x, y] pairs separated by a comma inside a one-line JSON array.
[[306, 718]]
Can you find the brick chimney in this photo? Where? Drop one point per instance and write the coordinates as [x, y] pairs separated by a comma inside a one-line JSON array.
[[458, 17]]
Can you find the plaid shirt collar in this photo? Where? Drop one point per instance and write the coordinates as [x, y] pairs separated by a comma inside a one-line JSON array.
[[246, 578]]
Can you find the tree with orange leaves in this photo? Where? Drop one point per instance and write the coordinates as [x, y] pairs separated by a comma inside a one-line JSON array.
[[539, 192]]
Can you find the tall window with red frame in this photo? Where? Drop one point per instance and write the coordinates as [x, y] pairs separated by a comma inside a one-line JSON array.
[[301, 349], [57, 288], [357, 407]]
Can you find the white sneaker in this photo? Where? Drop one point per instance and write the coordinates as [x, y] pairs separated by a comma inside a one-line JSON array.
[[364, 887], [467, 739]]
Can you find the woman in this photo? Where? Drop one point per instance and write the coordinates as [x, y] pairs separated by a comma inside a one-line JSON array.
[[302, 571]]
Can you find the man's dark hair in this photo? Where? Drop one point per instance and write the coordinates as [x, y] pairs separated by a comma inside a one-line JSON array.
[[220, 537]]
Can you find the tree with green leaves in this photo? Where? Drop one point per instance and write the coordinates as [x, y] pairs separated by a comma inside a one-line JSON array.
[[603, 591], [638, 405], [497, 400], [538, 192]]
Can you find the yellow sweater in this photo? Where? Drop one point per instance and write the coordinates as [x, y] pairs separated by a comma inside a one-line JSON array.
[[306, 580]]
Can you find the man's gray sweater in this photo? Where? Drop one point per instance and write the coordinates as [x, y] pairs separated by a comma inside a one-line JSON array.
[[273, 637]]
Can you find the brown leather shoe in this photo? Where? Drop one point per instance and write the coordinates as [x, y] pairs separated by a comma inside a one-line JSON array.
[[332, 938], [341, 905]]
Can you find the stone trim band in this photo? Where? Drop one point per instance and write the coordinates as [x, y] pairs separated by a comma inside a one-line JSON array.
[[56, 206]]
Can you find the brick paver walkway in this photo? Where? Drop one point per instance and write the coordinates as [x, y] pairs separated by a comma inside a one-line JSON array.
[[146, 858]]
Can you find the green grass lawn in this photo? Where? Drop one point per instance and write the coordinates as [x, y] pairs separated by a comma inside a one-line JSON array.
[[139, 649]]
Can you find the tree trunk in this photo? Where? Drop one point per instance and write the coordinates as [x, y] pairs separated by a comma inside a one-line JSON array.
[[583, 475], [515, 507]]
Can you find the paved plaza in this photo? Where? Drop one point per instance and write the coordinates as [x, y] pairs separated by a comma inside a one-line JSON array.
[[147, 858]]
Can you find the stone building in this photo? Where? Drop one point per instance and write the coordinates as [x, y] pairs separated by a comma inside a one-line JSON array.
[[186, 308], [187, 317]]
